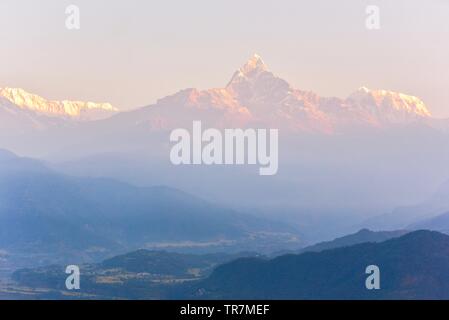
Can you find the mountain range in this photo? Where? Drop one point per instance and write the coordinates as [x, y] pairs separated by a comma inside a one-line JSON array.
[[87, 111], [253, 97], [49, 217], [256, 97]]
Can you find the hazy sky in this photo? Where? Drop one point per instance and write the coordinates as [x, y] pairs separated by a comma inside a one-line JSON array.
[[132, 52]]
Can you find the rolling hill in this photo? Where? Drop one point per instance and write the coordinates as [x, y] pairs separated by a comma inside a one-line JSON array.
[[361, 236], [414, 266]]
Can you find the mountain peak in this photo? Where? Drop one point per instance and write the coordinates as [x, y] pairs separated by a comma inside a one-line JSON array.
[[363, 89], [251, 69], [254, 64]]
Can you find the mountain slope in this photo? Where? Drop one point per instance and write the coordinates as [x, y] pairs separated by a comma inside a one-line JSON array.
[[362, 236], [415, 216], [42, 211], [15, 121], [439, 223], [413, 266]]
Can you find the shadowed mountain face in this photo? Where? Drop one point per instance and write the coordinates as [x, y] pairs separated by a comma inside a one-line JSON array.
[[414, 266], [45, 212]]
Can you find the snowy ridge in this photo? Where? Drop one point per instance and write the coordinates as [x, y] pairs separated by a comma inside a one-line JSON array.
[[71, 109]]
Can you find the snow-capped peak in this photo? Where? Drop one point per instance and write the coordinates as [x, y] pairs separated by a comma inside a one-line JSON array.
[[254, 64], [71, 109], [250, 70], [385, 100], [363, 89]]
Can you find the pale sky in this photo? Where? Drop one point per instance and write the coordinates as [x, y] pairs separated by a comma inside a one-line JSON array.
[[130, 53]]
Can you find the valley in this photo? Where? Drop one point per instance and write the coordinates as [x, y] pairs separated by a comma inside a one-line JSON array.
[[413, 266]]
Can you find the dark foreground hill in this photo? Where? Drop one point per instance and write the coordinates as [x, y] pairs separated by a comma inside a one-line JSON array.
[[414, 266], [142, 274]]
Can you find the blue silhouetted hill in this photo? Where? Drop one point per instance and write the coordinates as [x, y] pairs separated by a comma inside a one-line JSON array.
[[414, 266]]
